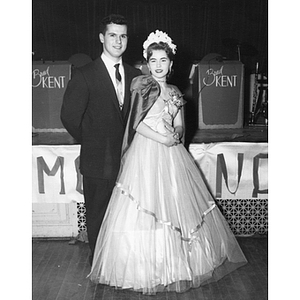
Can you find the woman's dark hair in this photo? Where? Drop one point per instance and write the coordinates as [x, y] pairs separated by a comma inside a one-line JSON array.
[[159, 46], [112, 19]]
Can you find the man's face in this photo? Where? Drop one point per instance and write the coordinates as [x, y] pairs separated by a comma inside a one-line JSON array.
[[114, 41]]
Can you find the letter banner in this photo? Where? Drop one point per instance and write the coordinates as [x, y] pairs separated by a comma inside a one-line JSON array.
[[233, 170], [55, 174]]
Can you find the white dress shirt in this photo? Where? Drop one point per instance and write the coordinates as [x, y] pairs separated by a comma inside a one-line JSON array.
[[110, 66]]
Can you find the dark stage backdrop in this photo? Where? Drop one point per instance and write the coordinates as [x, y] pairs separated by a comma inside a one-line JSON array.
[[62, 28]]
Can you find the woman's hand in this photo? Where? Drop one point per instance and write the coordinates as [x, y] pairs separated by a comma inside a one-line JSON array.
[[171, 139]]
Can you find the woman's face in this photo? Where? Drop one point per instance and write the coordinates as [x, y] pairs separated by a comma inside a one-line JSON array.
[[159, 64]]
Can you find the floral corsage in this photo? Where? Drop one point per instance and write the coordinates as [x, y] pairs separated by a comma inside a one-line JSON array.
[[176, 99]]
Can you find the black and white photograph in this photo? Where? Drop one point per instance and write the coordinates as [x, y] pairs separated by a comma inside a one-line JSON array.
[[148, 167]]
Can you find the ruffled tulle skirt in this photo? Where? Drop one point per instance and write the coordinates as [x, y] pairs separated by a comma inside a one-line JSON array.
[[162, 230]]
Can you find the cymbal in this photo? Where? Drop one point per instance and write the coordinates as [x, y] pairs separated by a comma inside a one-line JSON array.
[[244, 48]]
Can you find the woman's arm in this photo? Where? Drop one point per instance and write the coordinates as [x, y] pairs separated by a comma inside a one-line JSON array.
[[178, 124], [167, 139], [178, 128]]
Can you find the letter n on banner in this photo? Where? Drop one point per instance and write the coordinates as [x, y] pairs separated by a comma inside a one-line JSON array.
[[222, 169], [42, 167]]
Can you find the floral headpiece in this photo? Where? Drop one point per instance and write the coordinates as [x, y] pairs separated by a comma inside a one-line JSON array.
[[157, 37]]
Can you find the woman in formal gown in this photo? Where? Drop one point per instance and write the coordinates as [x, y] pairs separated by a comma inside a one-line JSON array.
[[162, 230]]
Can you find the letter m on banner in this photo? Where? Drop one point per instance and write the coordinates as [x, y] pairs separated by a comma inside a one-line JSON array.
[[42, 167], [222, 169]]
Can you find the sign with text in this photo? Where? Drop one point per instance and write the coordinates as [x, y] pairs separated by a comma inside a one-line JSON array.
[[49, 82], [234, 170], [220, 93]]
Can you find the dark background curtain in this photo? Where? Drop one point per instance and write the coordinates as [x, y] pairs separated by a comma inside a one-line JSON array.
[[62, 28]]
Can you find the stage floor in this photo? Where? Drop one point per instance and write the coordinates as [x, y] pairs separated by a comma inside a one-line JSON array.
[[59, 271], [255, 134]]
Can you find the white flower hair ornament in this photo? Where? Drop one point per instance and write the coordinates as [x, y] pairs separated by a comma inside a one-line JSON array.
[[157, 37]]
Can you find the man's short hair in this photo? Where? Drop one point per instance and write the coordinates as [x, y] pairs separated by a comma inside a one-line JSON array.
[[112, 19]]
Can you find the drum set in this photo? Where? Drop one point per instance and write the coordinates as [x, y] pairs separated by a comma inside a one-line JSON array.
[[258, 96]]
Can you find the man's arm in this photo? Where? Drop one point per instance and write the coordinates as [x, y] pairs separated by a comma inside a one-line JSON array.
[[74, 105]]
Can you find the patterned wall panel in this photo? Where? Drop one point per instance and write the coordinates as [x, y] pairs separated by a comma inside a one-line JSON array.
[[81, 217], [244, 216]]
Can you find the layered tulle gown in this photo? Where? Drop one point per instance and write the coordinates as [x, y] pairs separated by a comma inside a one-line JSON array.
[[162, 230]]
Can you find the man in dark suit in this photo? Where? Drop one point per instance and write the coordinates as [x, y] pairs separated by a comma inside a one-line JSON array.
[[94, 111]]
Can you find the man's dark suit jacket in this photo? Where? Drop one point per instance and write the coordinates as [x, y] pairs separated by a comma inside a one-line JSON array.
[[91, 114]]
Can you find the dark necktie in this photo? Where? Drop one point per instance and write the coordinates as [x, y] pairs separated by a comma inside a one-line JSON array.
[[118, 75], [119, 86]]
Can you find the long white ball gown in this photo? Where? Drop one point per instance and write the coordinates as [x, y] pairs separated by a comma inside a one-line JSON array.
[[162, 230]]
